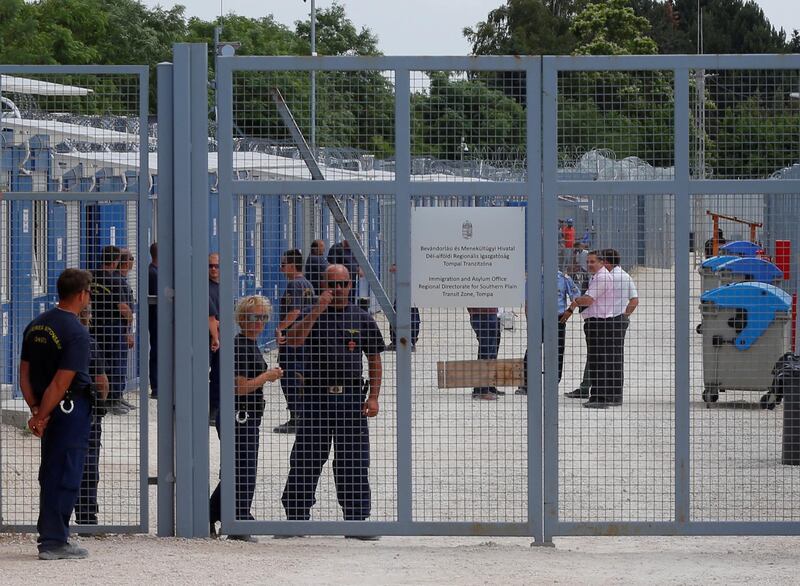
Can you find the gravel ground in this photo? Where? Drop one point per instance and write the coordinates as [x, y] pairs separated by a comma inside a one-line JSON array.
[[407, 560]]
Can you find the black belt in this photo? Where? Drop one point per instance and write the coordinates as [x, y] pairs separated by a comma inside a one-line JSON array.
[[616, 317], [335, 388]]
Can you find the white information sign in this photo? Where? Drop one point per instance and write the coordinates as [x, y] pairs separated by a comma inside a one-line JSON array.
[[468, 257]]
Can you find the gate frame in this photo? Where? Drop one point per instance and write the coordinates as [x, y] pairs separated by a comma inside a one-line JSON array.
[[682, 187], [144, 217], [403, 189]]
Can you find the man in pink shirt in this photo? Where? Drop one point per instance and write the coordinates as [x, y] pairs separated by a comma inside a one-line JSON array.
[[599, 327]]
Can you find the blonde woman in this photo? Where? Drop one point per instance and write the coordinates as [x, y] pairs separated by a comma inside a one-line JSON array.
[[250, 374]]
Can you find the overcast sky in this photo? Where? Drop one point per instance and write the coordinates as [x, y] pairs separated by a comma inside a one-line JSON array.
[[412, 27]]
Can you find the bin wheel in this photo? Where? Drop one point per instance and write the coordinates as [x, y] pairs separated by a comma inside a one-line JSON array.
[[769, 400], [699, 328], [710, 396]]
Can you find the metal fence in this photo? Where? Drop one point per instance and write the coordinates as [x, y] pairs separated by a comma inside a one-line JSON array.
[[74, 179], [673, 460], [613, 147]]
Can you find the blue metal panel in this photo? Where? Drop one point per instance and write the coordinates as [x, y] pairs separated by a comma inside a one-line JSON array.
[[275, 209], [103, 225], [56, 245], [40, 154], [298, 232], [249, 227], [22, 310], [373, 233]]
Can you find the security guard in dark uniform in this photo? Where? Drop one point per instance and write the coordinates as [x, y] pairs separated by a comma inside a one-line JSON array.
[[111, 318], [299, 295], [54, 376], [86, 508], [334, 334], [250, 375]]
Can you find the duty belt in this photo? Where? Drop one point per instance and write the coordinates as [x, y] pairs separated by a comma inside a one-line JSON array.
[[67, 404]]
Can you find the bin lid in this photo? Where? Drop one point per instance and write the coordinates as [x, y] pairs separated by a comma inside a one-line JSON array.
[[715, 261], [741, 248], [756, 269], [761, 301]]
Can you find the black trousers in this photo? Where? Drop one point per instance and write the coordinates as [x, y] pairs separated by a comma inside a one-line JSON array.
[[330, 420], [605, 345], [86, 506], [245, 468]]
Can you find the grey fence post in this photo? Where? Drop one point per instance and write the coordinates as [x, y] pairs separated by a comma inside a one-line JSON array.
[[166, 314], [533, 243], [190, 155], [682, 207], [199, 215], [226, 333], [403, 295], [549, 266]]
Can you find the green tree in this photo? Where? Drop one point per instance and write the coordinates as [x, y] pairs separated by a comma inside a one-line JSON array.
[[456, 108], [610, 27], [525, 27]]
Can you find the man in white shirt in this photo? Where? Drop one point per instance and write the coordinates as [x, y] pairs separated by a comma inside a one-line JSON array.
[[625, 302], [605, 324]]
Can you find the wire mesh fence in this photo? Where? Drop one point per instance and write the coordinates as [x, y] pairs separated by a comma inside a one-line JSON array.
[[737, 340], [628, 259], [110, 490], [63, 135]]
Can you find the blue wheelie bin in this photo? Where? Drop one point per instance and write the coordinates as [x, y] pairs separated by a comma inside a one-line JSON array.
[[746, 328]]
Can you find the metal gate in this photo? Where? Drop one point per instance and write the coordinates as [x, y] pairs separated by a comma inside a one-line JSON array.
[[683, 137], [473, 473], [74, 178]]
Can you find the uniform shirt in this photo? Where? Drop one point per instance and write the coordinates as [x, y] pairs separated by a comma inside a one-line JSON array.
[[53, 341], [108, 326], [315, 271], [97, 365], [567, 291], [623, 290], [333, 349], [213, 299], [602, 291], [339, 255], [299, 294], [249, 363], [127, 291]]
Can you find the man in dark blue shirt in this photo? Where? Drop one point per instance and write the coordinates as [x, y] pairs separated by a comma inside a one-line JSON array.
[[334, 335], [316, 263], [341, 254], [299, 295], [54, 377], [123, 269], [112, 317], [213, 332], [152, 318]]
